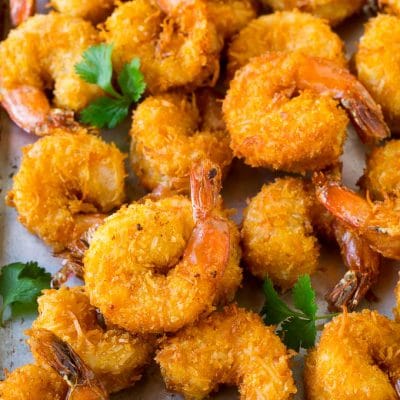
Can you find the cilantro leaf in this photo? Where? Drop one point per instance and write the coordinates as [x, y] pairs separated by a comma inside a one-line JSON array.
[[131, 80], [96, 67], [297, 332], [304, 297], [105, 112], [275, 310], [21, 284]]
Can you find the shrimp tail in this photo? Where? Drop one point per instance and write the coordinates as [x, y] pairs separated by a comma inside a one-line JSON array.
[[29, 108], [205, 185], [20, 10], [366, 115], [396, 384], [363, 264], [60, 356], [86, 226]]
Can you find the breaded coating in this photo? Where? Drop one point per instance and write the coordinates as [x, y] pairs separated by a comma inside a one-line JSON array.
[[115, 356], [178, 49], [172, 131], [277, 236], [271, 128], [285, 31], [382, 175], [165, 268], [231, 347], [358, 357], [390, 6], [92, 10], [32, 382], [396, 310], [41, 54], [63, 180], [378, 65], [334, 11]]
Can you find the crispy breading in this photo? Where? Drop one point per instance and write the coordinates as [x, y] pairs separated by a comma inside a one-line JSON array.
[[277, 235], [115, 356], [285, 31], [64, 178], [356, 358], [231, 347], [172, 131]]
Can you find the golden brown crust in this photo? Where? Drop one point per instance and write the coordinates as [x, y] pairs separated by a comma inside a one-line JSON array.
[[277, 235], [231, 347], [357, 355]]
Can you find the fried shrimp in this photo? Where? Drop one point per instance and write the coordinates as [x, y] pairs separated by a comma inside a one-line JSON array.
[[358, 357], [382, 176], [32, 382], [115, 356], [282, 112], [165, 269], [229, 16], [63, 182], [277, 235], [52, 352], [171, 131], [377, 223], [48, 46], [378, 65], [176, 49], [334, 11], [231, 347], [285, 31]]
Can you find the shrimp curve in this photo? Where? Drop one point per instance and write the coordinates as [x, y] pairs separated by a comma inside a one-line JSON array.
[[48, 46], [65, 180], [358, 357], [231, 347], [160, 290]]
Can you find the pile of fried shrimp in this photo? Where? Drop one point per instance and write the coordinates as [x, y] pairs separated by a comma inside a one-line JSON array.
[[231, 86]]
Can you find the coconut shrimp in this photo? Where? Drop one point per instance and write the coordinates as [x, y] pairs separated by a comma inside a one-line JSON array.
[[334, 11], [277, 236], [64, 181], [33, 382], [176, 49], [358, 357], [115, 356], [282, 112], [171, 131], [52, 352], [378, 65], [390, 6], [232, 347], [377, 223], [285, 31], [229, 16], [48, 46], [167, 266]]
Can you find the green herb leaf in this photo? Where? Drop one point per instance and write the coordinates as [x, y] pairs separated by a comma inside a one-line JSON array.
[[296, 332], [275, 310], [96, 67], [21, 284], [296, 327], [304, 296], [131, 80], [105, 112]]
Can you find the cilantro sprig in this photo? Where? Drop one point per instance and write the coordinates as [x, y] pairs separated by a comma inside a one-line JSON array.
[[296, 327], [20, 286], [96, 68]]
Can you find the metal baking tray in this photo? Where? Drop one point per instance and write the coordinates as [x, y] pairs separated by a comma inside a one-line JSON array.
[[16, 244]]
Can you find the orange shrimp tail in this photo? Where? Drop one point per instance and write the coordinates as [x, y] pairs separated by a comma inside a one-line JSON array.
[[60, 356], [344, 204], [363, 264], [21, 10], [205, 185]]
